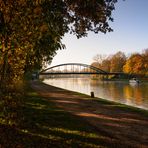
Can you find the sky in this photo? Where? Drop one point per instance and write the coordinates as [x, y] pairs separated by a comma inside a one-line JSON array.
[[130, 35]]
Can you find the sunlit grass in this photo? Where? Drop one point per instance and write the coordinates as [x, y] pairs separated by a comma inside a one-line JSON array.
[[45, 125], [73, 132], [55, 124]]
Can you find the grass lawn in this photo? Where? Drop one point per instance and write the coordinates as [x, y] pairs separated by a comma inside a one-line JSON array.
[[44, 125]]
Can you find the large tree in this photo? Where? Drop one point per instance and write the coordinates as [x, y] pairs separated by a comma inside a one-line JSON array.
[[145, 61], [31, 33], [135, 64], [117, 61], [35, 28]]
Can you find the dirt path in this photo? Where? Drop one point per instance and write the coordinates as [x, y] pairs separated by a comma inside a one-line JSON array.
[[125, 127]]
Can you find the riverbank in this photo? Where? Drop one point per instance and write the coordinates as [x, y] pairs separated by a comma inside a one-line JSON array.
[[120, 123], [119, 91], [55, 117]]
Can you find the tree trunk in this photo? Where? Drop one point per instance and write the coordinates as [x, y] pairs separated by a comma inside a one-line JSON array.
[[4, 65]]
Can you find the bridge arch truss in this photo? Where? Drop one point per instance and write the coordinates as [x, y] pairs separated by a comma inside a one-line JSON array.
[[72, 68]]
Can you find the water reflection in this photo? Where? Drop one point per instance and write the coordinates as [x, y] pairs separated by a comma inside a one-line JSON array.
[[131, 94]]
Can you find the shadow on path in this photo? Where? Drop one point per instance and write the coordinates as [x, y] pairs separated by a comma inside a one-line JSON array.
[[121, 126]]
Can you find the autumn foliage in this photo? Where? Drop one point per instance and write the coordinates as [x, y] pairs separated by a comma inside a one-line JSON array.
[[31, 32], [136, 63]]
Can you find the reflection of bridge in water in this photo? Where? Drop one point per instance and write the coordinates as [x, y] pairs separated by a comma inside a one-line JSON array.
[[77, 68]]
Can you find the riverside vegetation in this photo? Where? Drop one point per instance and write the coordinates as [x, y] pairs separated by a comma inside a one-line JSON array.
[[47, 123]]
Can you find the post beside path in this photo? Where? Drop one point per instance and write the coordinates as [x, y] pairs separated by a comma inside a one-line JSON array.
[[92, 94]]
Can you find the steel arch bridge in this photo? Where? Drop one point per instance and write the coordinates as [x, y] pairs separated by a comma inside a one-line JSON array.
[[72, 68]]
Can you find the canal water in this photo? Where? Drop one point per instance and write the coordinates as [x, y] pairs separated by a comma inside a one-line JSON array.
[[119, 91]]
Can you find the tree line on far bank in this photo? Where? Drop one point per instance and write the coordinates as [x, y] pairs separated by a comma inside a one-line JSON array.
[[135, 63]]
